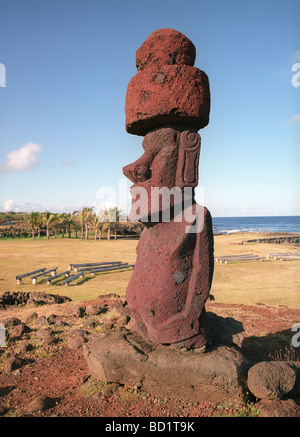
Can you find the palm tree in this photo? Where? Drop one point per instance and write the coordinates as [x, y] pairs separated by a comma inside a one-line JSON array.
[[63, 223], [88, 217], [97, 223], [32, 221], [75, 222], [115, 218], [60, 224], [104, 217], [104, 222], [83, 217], [48, 218], [39, 223], [69, 223], [79, 219], [111, 219]]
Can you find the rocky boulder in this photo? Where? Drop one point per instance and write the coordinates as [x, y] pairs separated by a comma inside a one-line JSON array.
[[21, 298], [272, 379], [124, 357]]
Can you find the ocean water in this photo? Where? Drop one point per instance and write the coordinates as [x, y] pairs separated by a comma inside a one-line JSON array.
[[256, 224]]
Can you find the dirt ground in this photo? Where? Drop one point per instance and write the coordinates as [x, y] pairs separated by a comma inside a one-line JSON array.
[[57, 368]]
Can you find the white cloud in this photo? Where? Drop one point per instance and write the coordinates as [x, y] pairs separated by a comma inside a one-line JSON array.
[[65, 207], [25, 158], [69, 162], [8, 205], [295, 57], [295, 119]]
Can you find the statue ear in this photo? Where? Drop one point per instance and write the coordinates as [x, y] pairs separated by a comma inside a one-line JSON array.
[[188, 159]]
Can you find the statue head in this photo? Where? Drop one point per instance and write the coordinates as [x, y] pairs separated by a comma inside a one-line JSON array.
[[169, 164], [167, 102]]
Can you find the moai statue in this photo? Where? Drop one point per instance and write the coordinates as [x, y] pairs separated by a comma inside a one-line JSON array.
[[167, 102]]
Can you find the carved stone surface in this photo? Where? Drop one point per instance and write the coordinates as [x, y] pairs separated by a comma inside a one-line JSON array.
[[168, 101], [171, 283], [170, 159]]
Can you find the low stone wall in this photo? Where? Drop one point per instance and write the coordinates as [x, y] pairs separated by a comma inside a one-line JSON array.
[[21, 298], [292, 239]]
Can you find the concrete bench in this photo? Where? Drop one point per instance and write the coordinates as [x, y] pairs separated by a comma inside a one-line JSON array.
[[19, 278], [35, 277], [240, 258], [109, 269], [66, 274], [106, 267], [99, 266], [76, 266], [283, 256], [243, 255], [72, 278]]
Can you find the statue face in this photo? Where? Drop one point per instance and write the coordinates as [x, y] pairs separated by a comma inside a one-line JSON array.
[[155, 169], [171, 155]]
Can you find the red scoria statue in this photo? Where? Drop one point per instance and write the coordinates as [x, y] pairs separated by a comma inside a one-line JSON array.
[[167, 102]]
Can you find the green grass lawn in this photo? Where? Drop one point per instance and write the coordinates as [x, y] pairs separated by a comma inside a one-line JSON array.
[[248, 282]]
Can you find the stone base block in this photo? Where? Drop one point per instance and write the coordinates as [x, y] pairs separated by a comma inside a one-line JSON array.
[[218, 375]]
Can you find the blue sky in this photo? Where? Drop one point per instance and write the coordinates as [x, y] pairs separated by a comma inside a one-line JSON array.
[[62, 119]]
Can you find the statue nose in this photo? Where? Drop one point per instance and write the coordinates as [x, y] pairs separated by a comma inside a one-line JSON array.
[[138, 171]]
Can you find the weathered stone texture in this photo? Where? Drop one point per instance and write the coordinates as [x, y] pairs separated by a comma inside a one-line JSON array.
[[272, 380], [170, 94], [168, 101], [126, 358], [165, 47], [171, 282], [167, 88]]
